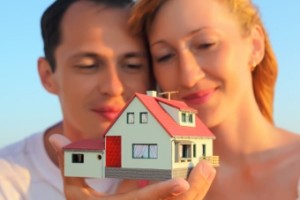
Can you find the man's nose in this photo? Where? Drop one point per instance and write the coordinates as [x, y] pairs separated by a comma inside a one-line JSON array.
[[111, 83]]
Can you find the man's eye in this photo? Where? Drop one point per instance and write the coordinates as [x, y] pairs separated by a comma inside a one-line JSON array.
[[93, 66], [134, 66], [164, 58]]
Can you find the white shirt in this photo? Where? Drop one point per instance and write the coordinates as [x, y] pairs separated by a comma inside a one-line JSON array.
[[26, 172]]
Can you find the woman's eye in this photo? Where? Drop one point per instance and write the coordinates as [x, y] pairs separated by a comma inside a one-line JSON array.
[[164, 58], [206, 45]]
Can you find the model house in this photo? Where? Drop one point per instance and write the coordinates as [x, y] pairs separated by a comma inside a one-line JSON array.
[[85, 158], [152, 138]]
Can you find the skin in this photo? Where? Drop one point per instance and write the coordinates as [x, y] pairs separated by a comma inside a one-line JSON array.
[[99, 67], [209, 61]]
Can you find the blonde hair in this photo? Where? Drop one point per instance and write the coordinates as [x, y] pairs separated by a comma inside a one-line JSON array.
[[265, 73]]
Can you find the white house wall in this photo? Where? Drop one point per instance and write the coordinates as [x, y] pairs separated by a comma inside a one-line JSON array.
[[199, 142], [137, 133], [92, 166]]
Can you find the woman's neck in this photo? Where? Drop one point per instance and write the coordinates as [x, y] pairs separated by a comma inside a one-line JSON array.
[[247, 133]]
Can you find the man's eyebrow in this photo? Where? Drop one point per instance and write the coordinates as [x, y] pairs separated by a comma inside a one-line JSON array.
[[86, 54], [135, 55]]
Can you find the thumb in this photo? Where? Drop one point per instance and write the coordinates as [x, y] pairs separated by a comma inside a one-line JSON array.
[[58, 141]]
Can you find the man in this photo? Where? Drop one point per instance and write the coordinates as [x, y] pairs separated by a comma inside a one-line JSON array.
[[94, 65]]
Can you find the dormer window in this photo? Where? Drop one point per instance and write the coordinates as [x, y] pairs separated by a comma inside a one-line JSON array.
[[187, 118], [191, 118], [183, 117]]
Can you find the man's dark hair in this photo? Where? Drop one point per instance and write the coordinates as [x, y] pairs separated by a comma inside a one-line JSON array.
[[52, 18]]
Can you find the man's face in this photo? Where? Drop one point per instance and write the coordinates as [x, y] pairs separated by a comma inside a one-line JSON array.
[[99, 66]]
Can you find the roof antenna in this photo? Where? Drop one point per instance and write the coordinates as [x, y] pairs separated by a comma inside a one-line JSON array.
[[168, 93]]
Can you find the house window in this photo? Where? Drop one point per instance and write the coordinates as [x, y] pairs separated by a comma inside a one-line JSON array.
[[183, 117], [194, 151], [191, 118], [77, 158], [186, 151], [203, 150], [130, 118], [144, 151], [143, 117]]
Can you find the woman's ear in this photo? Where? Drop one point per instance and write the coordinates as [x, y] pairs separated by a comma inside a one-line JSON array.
[[258, 46], [47, 77]]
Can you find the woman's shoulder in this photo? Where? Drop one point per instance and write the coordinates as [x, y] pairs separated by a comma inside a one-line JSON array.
[[289, 148], [287, 136], [289, 158]]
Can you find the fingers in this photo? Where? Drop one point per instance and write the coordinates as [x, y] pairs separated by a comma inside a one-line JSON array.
[[163, 190], [196, 187], [58, 141], [200, 180], [208, 173]]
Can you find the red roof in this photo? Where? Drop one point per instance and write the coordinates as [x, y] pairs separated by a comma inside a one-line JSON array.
[[165, 120], [180, 105], [168, 123], [87, 145]]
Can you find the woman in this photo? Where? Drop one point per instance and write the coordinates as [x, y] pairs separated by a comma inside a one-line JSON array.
[[218, 57]]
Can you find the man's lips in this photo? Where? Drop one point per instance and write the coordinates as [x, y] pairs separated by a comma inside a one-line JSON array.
[[108, 113], [199, 97]]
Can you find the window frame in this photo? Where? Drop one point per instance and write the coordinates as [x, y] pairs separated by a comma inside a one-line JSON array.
[[77, 158], [141, 117], [129, 115], [148, 151]]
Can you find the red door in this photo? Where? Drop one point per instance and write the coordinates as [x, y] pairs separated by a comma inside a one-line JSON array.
[[113, 151]]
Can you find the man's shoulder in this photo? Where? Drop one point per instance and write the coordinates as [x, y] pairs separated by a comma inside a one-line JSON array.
[[19, 147], [15, 158], [24, 174]]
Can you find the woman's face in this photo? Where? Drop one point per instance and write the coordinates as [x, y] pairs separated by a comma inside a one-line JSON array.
[[199, 50]]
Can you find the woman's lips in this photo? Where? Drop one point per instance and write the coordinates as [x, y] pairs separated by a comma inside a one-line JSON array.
[[199, 97]]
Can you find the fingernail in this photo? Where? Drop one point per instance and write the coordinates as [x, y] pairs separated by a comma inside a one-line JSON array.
[[177, 190], [53, 144], [206, 169], [180, 186], [58, 141]]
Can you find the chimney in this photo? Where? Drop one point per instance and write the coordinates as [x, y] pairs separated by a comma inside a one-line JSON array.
[[152, 93]]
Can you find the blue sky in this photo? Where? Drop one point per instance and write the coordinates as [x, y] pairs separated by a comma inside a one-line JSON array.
[[25, 107]]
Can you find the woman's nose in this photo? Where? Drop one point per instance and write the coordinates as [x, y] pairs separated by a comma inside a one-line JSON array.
[[190, 70]]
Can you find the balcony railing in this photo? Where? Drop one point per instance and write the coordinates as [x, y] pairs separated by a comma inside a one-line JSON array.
[[214, 160]]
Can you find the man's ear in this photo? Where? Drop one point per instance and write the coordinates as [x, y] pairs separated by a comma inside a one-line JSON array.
[[258, 45], [47, 76]]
